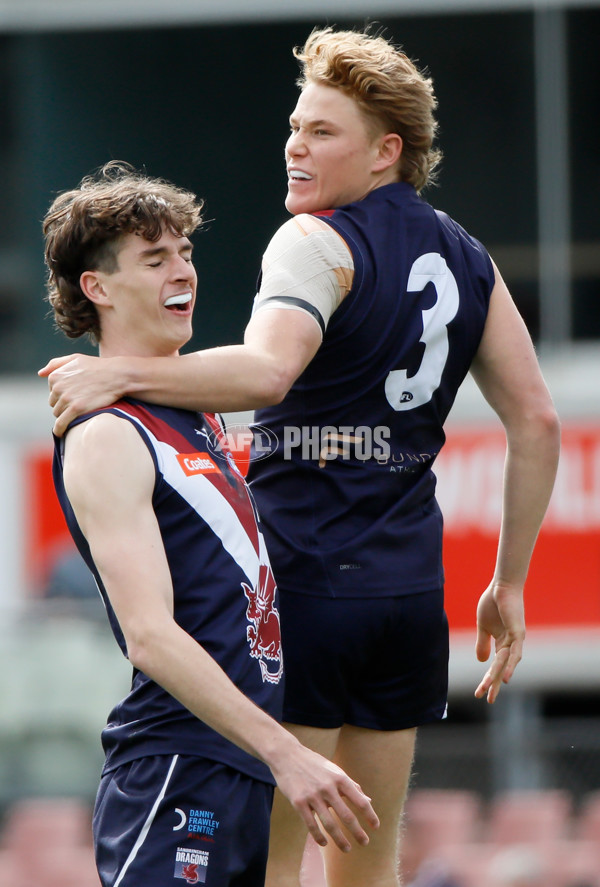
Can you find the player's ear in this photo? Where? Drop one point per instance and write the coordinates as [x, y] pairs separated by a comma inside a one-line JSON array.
[[92, 287], [389, 151]]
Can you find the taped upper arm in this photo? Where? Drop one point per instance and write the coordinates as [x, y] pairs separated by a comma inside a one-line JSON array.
[[307, 266]]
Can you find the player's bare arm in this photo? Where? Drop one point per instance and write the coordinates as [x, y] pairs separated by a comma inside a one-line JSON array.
[[109, 477], [507, 372], [278, 345], [278, 342]]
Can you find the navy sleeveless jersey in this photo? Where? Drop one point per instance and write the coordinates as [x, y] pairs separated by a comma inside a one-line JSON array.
[[224, 591], [347, 495]]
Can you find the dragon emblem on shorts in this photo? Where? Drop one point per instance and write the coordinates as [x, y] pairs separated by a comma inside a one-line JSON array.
[[190, 873]]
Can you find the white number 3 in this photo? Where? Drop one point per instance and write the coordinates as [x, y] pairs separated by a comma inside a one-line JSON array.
[[404, 393]]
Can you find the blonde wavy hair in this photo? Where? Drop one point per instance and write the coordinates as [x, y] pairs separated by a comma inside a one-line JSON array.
[[83, 229], [388, 87]]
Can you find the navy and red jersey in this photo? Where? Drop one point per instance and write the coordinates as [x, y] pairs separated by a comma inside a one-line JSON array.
[[223, 587], [347, 498]]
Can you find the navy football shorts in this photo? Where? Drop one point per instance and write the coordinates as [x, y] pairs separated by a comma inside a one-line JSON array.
[[170, 821], [380, 663]]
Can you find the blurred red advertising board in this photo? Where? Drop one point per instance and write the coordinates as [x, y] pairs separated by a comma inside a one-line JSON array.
[[563, 588]]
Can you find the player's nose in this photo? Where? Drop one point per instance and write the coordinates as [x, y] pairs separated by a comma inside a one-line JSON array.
[[183, 269]]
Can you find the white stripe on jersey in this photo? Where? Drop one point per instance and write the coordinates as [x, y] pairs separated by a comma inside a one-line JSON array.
[[210, 504]]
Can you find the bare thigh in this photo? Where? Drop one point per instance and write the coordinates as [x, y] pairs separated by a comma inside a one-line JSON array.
[[288, 832], [381, 762]]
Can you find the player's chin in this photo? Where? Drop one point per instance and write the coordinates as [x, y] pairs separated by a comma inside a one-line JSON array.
[[291, 204], [298, 203], [179, 336]]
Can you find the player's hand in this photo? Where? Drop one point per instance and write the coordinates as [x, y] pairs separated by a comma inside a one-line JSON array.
[[326, 799], [500, 616], [78, 384]]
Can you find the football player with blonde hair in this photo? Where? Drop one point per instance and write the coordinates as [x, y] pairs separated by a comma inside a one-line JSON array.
[[372, 308]]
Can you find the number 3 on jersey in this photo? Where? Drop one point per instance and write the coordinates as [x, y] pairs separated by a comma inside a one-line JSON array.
[[404, 393]]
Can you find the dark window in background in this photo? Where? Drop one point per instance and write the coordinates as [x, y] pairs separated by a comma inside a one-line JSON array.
[[584, 107], [208, 108], [9, 295], [7, 129]]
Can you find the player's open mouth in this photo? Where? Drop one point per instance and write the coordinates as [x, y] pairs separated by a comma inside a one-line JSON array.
[[179, 302]]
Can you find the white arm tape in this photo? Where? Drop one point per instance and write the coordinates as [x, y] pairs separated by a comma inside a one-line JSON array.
[[302, 269]]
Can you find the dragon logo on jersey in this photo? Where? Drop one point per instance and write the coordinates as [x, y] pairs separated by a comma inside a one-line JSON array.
[[264, 633]]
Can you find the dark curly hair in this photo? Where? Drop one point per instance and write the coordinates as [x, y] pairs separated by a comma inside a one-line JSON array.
[[83, 229]]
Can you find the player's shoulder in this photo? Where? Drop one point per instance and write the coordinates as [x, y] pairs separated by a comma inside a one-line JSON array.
[[458, 231], [100, 437], [105, 462], [302, 224], [306, 228], [308, 223]]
